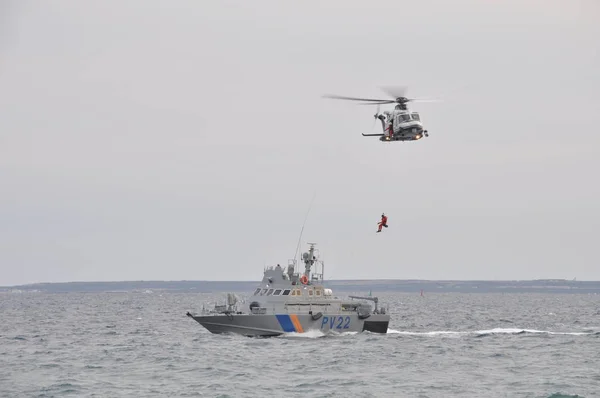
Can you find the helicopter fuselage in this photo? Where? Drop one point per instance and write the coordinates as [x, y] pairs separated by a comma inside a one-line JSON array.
[[405, 125], [400, 124]]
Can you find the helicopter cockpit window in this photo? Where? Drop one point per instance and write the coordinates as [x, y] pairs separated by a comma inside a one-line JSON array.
[[416, 116], [405, 117]]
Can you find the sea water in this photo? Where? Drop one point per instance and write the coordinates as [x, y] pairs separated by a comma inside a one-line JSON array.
[[141, 344]]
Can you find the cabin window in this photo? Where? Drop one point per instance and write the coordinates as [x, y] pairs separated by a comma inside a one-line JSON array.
[[257, 291], [286, 292], [263, 292], [277, 292], [293, 292], [318, 292], [310, 292], [405, 117], [270, 292], [416, 116]]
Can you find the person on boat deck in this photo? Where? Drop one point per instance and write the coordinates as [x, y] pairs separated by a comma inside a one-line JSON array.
[[383, 222]]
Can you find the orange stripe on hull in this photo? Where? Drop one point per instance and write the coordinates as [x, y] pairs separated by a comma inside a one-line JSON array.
[[297, 323]]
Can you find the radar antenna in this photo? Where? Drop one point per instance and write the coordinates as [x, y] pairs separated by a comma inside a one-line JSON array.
[[312, 258]]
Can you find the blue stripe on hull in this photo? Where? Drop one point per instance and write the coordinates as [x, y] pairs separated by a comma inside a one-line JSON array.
[[286, 323]]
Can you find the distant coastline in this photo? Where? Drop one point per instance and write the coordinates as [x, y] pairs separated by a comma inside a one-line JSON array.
[[376, 286]]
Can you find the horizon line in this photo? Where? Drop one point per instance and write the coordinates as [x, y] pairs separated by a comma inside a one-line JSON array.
[[330, 280]]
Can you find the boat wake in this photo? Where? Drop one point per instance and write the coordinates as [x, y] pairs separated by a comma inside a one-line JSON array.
[[315, 334], [309, 334], [479, 333]]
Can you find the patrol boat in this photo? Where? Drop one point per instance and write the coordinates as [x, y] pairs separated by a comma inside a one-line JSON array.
[[286, 302]]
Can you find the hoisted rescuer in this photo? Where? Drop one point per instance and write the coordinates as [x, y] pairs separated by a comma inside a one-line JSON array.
[[383, 222]]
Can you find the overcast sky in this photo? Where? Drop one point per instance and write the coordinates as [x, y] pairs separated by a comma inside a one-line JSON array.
[[169, 140]]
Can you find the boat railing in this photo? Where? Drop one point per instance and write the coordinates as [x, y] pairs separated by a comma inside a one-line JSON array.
[[374, 299]]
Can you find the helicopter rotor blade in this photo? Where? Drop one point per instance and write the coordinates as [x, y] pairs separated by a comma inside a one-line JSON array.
[[424, 100], [379, 103], [353, 98], [400, 92], [395, 91]]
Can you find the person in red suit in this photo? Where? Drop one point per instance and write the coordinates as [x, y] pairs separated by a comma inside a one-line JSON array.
[[383, 222]]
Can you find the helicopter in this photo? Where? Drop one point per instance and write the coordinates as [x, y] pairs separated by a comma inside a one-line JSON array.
[[400, 124]]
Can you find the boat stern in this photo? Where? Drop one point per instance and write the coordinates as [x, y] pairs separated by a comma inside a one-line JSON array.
[[376, 323]]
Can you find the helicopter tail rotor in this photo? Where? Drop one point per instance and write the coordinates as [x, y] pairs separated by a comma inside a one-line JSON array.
[[376, 116]]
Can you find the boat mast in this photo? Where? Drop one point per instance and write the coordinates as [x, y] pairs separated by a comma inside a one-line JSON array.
[[303, 224], [309, 259]]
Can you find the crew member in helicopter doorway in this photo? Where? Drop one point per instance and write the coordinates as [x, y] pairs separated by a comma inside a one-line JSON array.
[[390, 130], [383, 222]]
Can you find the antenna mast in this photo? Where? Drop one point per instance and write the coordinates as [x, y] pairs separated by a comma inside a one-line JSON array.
[[302, 230]]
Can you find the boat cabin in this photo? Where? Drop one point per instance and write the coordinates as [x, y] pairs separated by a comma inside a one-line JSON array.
[[309, 291]]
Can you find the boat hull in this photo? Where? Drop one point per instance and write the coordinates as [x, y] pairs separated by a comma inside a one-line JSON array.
[[274, 325]]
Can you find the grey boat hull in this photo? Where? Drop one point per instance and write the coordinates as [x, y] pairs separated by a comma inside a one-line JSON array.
[[274, 325]]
